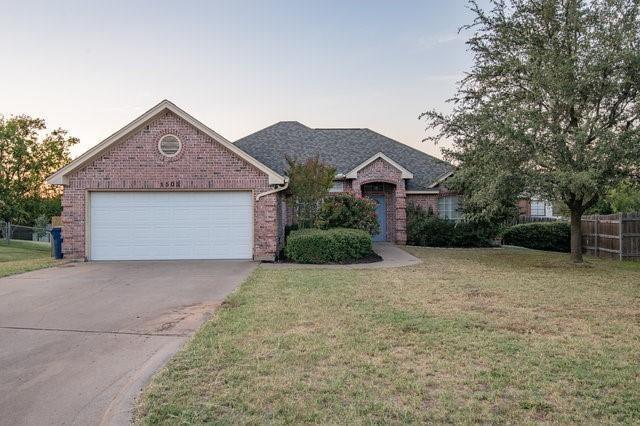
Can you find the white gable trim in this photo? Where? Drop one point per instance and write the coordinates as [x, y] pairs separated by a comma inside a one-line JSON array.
[[61, 176], [353, 174], [441, 179]]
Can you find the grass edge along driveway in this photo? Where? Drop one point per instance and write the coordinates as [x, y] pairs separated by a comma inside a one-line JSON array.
[[467, 336], [24, 256]]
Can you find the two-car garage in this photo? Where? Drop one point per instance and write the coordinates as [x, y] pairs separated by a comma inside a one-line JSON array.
[[141, 225]]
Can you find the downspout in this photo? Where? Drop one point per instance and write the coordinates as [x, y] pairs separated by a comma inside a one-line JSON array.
[[273, 191]]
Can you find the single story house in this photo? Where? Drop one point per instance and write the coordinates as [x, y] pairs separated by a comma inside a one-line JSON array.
[[166, 186]]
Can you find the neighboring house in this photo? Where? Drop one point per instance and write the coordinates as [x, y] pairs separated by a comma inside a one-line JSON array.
[[167, 186], [536, 207]]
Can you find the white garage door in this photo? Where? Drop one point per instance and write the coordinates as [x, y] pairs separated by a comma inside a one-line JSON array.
[[171, 225]]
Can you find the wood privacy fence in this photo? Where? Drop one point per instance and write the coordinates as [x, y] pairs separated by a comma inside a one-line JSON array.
[[614, 236]]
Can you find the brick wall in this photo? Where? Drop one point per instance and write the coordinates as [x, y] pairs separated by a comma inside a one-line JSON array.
[[524, 206], [136, 163], [425, 201]]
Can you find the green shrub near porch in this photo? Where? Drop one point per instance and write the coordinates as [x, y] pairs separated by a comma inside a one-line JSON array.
[[335, 245], [348, 211], [551, 236], [426, 229]]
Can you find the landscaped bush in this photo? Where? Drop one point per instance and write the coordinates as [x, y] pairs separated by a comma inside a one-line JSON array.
[[551, 236], [337, 245], [426, 229], [347, 211]]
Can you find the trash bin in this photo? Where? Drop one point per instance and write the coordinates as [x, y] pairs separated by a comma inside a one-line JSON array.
[[56, 234]]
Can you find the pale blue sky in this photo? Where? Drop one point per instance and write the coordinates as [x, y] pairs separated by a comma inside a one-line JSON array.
[[238, 66]]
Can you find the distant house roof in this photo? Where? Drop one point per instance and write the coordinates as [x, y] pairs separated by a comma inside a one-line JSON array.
[[343, 149]]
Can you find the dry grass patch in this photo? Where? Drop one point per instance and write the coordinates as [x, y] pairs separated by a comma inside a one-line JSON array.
[[466, 336]]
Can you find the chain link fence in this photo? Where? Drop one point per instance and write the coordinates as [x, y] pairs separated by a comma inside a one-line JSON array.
[[9, 231]]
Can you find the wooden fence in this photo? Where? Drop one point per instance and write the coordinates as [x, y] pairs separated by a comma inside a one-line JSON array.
[[614, 236]]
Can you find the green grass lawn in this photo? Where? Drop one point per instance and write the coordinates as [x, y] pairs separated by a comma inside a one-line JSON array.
[[23, 256], [489, 335]]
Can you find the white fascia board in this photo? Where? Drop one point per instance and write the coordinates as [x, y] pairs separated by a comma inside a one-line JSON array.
[[441, 179]]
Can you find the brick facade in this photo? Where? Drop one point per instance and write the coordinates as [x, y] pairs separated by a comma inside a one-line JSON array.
[[425, 201], [202, 164]]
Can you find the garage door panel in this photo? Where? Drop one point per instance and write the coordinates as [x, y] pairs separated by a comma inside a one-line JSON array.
[[181, 225]]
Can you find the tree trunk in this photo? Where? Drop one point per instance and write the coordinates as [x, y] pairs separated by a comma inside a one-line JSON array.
[[576, 236]]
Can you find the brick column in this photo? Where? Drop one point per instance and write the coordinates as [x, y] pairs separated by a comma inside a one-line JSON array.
[[401, 213]]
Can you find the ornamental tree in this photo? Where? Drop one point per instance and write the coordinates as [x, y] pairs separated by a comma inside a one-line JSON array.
[[549, 107], [309, 184]]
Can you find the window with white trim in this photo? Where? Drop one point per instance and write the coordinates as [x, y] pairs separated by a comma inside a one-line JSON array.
[[538, 208], [338, 186], [450, 207]]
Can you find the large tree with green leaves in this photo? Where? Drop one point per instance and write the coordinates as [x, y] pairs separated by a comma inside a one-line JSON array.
[[27, 157], [550, 105]]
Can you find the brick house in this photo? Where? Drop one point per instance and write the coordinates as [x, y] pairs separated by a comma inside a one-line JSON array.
[[167, 186]]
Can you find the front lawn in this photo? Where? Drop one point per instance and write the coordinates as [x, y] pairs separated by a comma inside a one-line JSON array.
[[23, 256], [483, 335]]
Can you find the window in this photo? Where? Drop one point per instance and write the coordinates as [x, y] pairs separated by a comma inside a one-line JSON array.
[[538, 208], [338, 186], [169, 145], [450, 207]]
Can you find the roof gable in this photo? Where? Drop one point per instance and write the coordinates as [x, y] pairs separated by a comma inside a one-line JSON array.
[[344, 149], [60, 177], [353, 174]]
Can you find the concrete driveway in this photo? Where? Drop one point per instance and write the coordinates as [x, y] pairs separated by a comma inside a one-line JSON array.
[[78, 342]]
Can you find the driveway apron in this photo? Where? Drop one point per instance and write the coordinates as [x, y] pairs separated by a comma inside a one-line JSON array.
[[78, 342]]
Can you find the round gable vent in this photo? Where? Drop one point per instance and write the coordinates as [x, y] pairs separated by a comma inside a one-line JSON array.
[[169, 145]]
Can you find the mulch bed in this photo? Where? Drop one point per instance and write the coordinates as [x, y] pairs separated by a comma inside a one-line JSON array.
[[371, 258]]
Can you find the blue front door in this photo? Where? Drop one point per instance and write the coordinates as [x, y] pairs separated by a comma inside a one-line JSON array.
[[381, 213]]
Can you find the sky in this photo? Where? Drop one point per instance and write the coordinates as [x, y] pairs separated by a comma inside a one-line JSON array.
[[238, 66]]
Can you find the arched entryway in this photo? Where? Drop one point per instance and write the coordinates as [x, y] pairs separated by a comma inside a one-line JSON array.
[[383, 193]]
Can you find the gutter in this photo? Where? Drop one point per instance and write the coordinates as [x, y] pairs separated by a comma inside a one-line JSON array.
[[273, 191]]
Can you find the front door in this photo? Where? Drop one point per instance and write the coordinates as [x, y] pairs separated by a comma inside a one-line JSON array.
[[381, 213]]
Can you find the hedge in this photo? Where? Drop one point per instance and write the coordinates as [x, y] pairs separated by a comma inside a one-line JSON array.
[[550, 236], [336, 245], [426, 229]]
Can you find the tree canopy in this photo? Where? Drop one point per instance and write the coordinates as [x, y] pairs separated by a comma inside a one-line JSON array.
[[549, 107], [26, 159]]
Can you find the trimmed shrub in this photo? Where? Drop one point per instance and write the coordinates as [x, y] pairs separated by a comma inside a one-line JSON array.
[[337, 245], [550, 236], [347, 211], [426, 229]]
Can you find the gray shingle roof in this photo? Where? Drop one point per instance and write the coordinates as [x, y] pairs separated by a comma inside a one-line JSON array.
[[344, 149]]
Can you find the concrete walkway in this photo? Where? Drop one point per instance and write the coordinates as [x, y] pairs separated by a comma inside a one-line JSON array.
[[78, 342], [392, 257]]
